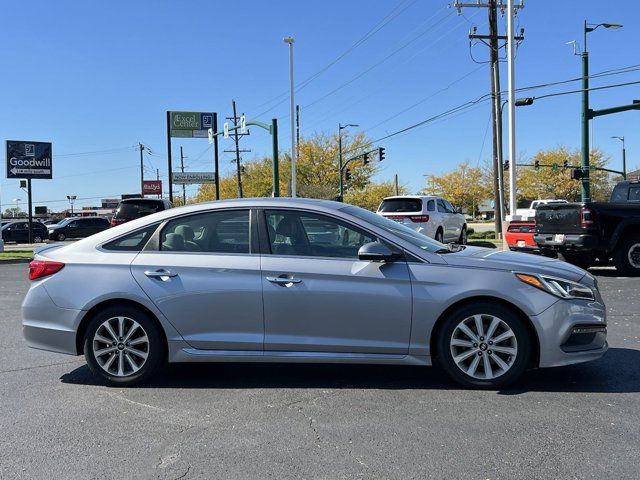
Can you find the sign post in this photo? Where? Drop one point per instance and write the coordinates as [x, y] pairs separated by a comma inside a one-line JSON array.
[[189, 125], [29, 160]]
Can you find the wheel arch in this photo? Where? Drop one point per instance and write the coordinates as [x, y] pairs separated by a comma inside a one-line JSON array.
[[94, 310], [533, 334]]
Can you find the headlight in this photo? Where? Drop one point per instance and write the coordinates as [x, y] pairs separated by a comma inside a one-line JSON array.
[[558, 286]]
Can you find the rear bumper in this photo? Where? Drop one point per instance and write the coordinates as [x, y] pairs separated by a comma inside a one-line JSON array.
[[46, 326], [576, 242]]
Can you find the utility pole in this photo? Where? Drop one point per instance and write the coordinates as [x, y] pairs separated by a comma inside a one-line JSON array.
[[298, 131], [511, 58], [141, 170], [158, 178], [184, 188], [491, 40], [236, 138], [395, 184]]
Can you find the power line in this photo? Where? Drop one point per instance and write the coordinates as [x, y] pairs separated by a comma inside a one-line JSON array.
[[97, 152], [370, 33]]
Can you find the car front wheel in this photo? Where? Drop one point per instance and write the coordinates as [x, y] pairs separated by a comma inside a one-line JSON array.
[[123, 345], [60, 237], [483, 345], [463, 236]]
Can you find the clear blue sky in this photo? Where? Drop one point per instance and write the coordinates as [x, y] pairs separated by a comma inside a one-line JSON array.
[[95, 76]]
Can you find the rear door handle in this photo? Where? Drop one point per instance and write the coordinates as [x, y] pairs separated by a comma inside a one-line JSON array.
[[283, 280], [161, 274]]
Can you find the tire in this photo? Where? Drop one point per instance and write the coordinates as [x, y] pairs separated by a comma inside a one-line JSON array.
[[61, 237], [515, 357], [626, 256], [112, 365], [439, 236], [37, 239], [583, 261], [463, 236]]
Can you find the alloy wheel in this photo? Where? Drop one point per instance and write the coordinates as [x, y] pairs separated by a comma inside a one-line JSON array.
[[483, 346], [120, 346], [634, 255]]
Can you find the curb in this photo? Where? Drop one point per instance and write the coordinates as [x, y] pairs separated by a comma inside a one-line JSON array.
[[11, 261]]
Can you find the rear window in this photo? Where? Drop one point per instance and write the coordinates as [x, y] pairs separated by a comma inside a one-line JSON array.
[[137, 209], [401, 205], [134, 242]]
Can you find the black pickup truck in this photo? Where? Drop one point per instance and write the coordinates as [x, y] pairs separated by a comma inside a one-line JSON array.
[[586, 233]]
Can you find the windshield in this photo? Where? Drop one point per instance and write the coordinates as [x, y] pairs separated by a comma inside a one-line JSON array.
[[62, 223], [425, 243]]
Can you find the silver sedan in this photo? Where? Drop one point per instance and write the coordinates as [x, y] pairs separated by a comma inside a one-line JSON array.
[[300, 280]]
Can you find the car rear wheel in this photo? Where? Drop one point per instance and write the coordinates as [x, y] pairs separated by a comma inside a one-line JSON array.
[[60, 237], [483, 345], [123, 345], [627, 256], [37, 239], [439, 236]]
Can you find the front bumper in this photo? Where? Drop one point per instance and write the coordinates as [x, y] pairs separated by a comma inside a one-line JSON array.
[[559, 342], [46, 326], [577, 242]]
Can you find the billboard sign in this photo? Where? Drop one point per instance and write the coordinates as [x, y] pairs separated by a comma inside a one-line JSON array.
[[110, 202], [152, 187], [29, 159], [190, 124], [188, 178]]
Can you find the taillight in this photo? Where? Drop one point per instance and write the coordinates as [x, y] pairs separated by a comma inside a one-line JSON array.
[[419, 218], [43, 268], [586, 218], [117, 221]]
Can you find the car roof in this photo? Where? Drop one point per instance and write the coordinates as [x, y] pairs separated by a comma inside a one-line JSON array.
[[412, 197], [141, 199]]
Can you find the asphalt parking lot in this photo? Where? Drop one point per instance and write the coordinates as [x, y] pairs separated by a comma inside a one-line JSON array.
[[309, 421]]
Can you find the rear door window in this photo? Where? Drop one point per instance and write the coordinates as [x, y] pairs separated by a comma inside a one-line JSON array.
[[401, 205], [224, 231]]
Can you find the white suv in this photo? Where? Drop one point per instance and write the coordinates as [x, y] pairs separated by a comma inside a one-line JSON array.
[[429, 215]]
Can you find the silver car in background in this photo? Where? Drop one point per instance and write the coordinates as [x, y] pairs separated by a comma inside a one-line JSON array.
[[301, 280]]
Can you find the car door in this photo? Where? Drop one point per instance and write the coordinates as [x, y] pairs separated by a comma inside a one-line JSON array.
[[318, 297], [19, 232], [443, 219], [454, 224], [202, 271]]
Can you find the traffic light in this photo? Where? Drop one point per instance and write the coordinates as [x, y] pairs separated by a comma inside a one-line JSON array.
[[576, 174], [347, 174], [365, 159], [380, 154], [506, 165], [536, 165]]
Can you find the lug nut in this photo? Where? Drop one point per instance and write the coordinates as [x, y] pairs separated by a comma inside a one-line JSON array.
[[490, 342], [481, 339], [489, 352], [475, 345], [479, 354]]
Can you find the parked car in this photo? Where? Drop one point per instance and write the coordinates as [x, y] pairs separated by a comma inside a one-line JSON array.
[[530, 213], [132, 208], [77, 227], [519, 236], [302, 280], [584, 232], [18, 231], [429, 215]]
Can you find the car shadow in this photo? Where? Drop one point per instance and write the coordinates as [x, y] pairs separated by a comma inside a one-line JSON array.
[[617, 372]]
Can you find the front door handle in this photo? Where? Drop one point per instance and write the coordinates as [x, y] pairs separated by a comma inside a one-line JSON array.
[[284, 280], [161, 274]]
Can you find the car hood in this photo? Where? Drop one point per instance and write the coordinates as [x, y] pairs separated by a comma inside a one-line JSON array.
[[478, 257]]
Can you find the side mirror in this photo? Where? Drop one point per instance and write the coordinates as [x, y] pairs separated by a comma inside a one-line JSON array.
[[375, 252]]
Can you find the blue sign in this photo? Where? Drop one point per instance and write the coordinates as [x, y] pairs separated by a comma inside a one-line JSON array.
[[206, 120]]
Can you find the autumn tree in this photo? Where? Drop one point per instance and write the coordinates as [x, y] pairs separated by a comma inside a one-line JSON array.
[[465, 187], [372, 194], [316, 169], [548, 182]]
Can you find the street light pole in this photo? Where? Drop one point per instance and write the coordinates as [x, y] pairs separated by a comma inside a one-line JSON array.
[[291, 41], [340, 128], [586, 185], [624, 157]]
